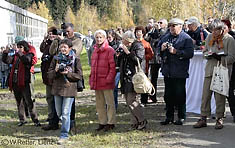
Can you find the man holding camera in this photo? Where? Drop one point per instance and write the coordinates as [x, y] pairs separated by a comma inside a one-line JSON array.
[[66, 32], [46, 60], [176, 50]]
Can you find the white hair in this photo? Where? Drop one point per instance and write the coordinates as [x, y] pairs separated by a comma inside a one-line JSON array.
[[100, 31], [164, 21], [129, 36]]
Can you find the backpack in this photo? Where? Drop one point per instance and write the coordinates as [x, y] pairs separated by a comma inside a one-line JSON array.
[[141, 82]]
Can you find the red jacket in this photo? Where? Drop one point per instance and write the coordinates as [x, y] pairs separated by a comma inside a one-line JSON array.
[[34, 60], [102, 76]]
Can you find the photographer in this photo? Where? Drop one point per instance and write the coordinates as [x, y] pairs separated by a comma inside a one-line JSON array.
[[20, 79], [65, 70], [127, 59], [46, 60], [176, 50], [67, 32]]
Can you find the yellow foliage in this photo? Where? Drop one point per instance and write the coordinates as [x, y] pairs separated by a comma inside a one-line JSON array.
[[42, 11], [120, 15], [86, 18], [70, 17]]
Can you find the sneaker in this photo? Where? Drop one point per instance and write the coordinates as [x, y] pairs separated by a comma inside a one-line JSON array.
[[21, 123], [50, 127], [179, 122], [62, 141], [101, 126], [219, 123], [200, 123], [167, 121], [109, 127], [142, 125]]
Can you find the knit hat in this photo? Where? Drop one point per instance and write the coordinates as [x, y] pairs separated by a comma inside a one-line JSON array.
[[18, 38]]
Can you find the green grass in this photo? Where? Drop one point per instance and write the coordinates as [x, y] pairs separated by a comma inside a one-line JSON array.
[[87, 122]]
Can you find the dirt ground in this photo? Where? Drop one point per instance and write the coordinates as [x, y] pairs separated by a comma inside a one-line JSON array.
[[173, 136]]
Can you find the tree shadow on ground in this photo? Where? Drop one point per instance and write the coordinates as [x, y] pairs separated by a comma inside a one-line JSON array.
[[87, 122]]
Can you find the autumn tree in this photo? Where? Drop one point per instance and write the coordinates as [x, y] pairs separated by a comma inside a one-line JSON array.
[[70, 17], [87, 18], [120, 14], [41, 10]]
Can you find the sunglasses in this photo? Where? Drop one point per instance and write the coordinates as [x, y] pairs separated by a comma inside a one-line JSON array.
[[160, 22]]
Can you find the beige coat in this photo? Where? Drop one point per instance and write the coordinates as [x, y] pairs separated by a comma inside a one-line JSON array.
[[77, 45], [228, 49]]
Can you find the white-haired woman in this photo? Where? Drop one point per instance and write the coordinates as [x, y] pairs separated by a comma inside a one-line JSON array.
[[102, 80], [127, 61], [218, 41]]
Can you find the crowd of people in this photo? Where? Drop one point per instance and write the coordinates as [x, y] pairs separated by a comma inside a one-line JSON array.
[[113, 56]]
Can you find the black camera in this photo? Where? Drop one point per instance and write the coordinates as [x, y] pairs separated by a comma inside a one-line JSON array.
[[11, 52], [46, 58], [62, 67], [63, 61], [168, 45], [120, 50], [59, 32]]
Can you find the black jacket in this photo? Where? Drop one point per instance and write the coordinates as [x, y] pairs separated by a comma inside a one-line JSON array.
[[127, 66], [26, 59], [196, 35]]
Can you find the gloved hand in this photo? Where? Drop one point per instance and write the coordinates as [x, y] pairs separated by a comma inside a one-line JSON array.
[[216, 56]]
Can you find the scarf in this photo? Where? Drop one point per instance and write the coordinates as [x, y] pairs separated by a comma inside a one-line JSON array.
[[20, 74], [218, 40]]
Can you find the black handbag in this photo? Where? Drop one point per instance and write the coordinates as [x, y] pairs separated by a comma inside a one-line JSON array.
[[80, 85]]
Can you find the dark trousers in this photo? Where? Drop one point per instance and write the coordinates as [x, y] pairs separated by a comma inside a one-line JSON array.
[[54, 121], [231, 98], [154, 69], [24, 95], [175, 95], [72, 115], [144, 98]]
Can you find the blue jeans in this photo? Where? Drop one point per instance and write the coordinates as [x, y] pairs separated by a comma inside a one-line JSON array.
[[63, 107], [115, 91]]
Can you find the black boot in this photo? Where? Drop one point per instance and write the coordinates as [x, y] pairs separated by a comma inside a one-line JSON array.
[[73, 129], [101, 126], [167, 121]]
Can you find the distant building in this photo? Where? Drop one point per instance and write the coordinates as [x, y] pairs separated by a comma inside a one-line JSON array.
[[16, 21]]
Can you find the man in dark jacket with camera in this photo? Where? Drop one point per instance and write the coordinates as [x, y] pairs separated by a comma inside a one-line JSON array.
[[176, 50], [46, 61]]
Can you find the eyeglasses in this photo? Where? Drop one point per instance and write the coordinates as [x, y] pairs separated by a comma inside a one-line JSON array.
[[20, 47], [160, 22]]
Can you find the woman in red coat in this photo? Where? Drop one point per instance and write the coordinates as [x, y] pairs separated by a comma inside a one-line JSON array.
[[102, 80]]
